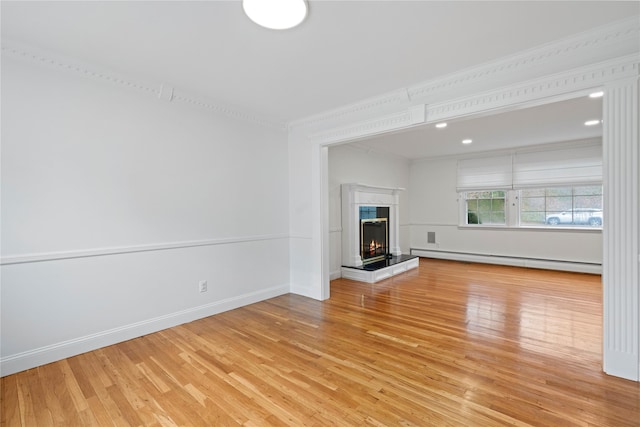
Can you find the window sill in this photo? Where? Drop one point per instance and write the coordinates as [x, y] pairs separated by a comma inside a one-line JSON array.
[[532, 228], [484, 227]]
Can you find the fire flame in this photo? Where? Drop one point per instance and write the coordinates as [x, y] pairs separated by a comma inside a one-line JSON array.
[[374, 246]]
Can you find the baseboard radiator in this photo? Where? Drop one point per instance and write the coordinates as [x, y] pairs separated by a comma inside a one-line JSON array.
[[547, 264]]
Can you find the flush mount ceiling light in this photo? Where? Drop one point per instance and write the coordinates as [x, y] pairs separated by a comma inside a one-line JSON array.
[[441, 125], [592, 122], [599, 94], [276, 14], [467, 141]]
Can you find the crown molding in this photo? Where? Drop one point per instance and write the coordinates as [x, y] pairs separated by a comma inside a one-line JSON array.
[[556, 85], [541, 90], [390, 99], [161, 91], [618, 39], [77, 67], [412, 116], [594, 44], [234, 113]]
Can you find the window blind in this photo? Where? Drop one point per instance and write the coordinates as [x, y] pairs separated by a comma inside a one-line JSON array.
[[577, 165], [484, 173]]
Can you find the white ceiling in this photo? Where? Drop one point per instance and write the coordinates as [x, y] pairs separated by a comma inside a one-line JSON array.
[[345, 51]]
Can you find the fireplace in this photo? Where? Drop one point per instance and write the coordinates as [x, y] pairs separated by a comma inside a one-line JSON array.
[[370, 210], [371, 234], [374, 233]]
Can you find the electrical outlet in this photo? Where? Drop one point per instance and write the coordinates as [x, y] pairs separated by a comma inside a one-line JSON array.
[[202, 286]]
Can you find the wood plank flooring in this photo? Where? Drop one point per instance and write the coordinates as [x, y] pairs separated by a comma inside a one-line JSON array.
[[450, 344]]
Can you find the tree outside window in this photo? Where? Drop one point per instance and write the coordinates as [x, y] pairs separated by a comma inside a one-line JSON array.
[[486, 207]]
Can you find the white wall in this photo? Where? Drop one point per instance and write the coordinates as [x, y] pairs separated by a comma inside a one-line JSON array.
[[115, 204], [350, 164], [434, 207]]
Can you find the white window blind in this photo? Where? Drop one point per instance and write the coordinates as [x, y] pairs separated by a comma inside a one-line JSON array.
[[484, 173], [578, 165]]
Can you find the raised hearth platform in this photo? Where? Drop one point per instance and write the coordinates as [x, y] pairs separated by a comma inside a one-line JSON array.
[[377, 271]]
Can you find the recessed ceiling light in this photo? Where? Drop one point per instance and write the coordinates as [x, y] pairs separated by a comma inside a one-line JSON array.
[[598, 94], [276, 14], [441, 125], [592, 122], [467, 141]]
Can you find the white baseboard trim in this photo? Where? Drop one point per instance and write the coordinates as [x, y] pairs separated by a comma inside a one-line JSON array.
[[577, 267], [620, 363], [51, 353], [335, 275]]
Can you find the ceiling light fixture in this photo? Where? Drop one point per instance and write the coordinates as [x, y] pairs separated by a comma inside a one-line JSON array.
[[276, 14], [599, 94], [592, 122], [467, 141], [441, 125]]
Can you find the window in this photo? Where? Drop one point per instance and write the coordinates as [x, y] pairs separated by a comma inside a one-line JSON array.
[[565, 206], [485, 207], [559, 185]]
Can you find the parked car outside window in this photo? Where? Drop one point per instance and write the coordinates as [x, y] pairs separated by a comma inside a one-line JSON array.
[[577, 216]]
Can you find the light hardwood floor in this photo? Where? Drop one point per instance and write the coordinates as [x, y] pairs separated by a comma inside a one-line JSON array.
[[450, 344]]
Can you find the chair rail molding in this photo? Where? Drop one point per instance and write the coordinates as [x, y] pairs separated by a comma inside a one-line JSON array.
[[94, 252]]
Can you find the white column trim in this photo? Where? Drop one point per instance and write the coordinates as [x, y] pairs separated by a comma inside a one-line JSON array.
[[621, 232]]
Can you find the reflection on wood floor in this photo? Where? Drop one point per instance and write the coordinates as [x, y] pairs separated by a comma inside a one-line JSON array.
[[448, 344]]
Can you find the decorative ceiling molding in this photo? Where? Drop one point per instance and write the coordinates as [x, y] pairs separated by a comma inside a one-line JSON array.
[[75, 67], [541, 90], [160, 91], [550, 86], [622, 37], [391, 99], [367, 128], [387, 123], [228, 111]]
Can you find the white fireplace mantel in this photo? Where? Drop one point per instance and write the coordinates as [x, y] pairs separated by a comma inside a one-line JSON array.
[[353, 197]]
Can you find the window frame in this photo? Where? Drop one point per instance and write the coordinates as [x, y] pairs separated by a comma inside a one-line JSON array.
[[513, 212], [573, 208], [463, 212]]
